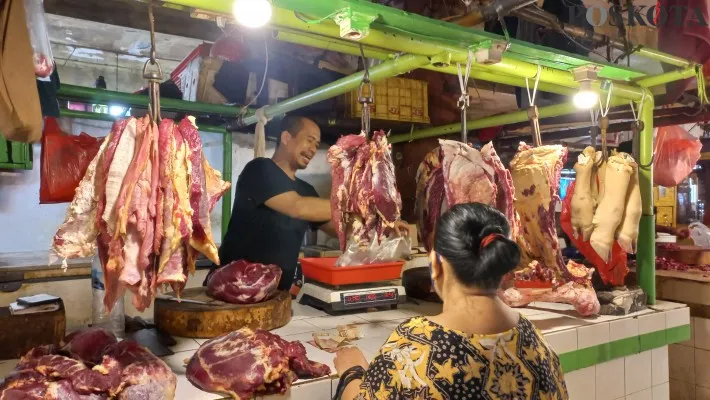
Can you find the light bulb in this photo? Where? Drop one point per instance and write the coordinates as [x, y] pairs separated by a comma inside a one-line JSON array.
[[586, 98], [117, 111], [252, 13]]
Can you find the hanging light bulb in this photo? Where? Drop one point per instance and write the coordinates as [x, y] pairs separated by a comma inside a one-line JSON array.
[[252, 13], [586, 98]]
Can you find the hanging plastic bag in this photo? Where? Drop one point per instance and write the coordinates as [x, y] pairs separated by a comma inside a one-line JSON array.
[[390, 249], [700, 234], [39, 37], [612, 273], [675, 154], [63, 162]]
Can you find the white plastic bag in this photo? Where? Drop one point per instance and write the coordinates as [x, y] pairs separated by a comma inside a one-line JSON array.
[[39, 37], [390, 249], [700, 234]]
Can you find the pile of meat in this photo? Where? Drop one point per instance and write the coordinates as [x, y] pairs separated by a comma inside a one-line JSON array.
[[242, 282], [90, 365], [245, 363], [527, 195], [145, 202], [364, 198], [458, 173]]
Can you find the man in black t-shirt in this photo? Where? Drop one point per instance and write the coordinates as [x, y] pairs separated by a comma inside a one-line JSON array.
[[273, 208]]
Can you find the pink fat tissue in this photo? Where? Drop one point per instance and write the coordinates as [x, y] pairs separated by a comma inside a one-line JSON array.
[[144, 204]]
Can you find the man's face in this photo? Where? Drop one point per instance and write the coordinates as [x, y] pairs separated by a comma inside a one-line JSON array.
[[302, 146]]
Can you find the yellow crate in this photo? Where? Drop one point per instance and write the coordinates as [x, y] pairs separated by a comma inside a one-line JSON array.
[[396, 99]]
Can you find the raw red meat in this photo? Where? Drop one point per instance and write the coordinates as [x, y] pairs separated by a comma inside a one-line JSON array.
[[144, 202], [242, 282], [125, 371], [542, 274], [245, 362], [364, 197]]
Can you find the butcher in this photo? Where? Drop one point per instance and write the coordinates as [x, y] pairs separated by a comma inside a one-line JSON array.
[[273, 208]]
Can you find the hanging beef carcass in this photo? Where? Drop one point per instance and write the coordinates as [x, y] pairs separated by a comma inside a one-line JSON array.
[[91, 365], [542, 274], [144, 204], [364, 199], [242, 282], [455, 173], [245, 363]]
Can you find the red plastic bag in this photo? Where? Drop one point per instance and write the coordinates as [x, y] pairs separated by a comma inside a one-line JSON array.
[[675, 154], [612, 273], [64, 161]]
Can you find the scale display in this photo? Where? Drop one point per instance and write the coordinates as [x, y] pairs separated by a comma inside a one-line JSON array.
[[350, 299]]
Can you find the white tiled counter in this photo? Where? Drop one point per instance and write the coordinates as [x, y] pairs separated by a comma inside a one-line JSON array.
[[604, 358]]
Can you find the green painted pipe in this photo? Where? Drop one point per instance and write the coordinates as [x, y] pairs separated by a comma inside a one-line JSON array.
[[495, 120], [227, 176], [71, 92], [661, 79], [387, 69], [663, 57], [646, 254]]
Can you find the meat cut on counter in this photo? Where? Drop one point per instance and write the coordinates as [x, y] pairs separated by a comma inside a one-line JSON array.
[[90, 365], [144, 204], [245, 363], [364, 198], [542, 274], [455, 173], [242, 282]]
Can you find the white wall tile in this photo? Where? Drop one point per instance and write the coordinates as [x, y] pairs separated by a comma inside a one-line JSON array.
[[638, 372], [652, 323], [295, 328], [681, 390], [623, 328], [641, 395], [681, 363], [702, 333], [678, 317], [562, 342], [324, 323], [610, 380], [581, 384], [661, 392], [663, 305], [659, 369], [690, 342], [592, 335]]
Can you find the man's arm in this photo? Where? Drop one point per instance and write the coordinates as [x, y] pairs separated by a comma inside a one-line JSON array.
[[329, 228], [311, 209]]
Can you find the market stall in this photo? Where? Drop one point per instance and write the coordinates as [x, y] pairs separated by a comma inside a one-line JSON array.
[[616, 355]]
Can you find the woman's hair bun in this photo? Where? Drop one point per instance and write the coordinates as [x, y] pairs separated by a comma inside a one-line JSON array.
[[473, 237]]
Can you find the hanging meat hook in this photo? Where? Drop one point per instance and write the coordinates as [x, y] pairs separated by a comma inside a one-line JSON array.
[[533, 113], [365, 98], [464, 99], [153, 73], [604, 121]]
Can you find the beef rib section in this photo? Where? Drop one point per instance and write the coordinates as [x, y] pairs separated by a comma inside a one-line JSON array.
[[242, 282], [542, 274], [245, 363]]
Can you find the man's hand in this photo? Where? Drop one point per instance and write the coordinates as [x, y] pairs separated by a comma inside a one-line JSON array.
[[349, 357], [401, 228], [312, 209]]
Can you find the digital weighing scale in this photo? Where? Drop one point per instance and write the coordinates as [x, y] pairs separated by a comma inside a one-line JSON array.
[[339, 289]]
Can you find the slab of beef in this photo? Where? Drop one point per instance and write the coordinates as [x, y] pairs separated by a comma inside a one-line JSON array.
[[364, 198], [144, 203], [124, 370], [542, 274], [245, 362], [242, 282], [455, 173]]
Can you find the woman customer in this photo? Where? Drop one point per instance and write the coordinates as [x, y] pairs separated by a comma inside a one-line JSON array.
[[477, 345]]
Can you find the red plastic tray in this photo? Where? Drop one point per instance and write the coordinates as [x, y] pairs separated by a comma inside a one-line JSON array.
[[323, 269]]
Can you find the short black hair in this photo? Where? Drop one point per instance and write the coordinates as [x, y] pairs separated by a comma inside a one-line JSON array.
[[459, 235], [291, 124]]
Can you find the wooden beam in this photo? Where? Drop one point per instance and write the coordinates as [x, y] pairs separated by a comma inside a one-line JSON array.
[[134, 14]]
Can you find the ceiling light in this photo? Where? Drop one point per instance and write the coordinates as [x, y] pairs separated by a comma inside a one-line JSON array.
[[117, 111], [586, 98], [252, 13]]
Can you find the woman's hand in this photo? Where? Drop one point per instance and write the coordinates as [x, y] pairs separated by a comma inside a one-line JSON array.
[[401, 228], [349, 357]]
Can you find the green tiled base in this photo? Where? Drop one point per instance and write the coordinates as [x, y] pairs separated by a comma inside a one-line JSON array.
[[589, 356]]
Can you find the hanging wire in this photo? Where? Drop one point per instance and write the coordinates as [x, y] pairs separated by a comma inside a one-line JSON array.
[[594, 131], [604, 120], [154, 75], [533, 112], [464, 99], [365, 100], [245, 108]]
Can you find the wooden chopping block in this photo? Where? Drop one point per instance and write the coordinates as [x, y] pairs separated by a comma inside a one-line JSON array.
[[20, 333], [205, 321], [691, 255]]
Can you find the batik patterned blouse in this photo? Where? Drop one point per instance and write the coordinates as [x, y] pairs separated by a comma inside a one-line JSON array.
[[423, 360]]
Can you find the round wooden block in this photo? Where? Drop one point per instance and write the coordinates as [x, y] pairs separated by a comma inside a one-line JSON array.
[[206, 321]]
